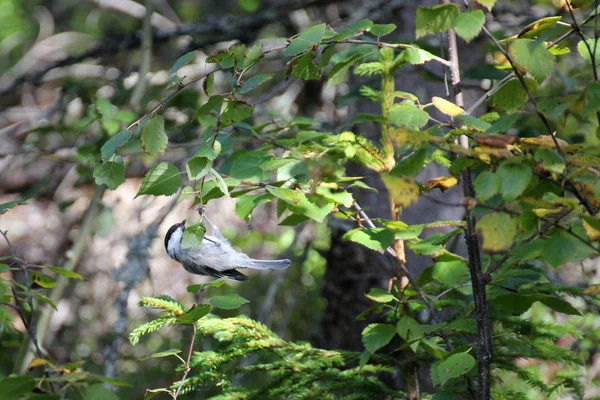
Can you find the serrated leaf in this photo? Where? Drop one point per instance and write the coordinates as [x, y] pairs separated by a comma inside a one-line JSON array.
[[487, 185], [382, 29], [582, 48], [375, 336], [404, 191], [533, 57], [592, 227], [14, 387], [380, 296], [235, 111], [290, 196], [213, 102], [193, 236], [514, 179], [408, 115], [303, 67], [435, 19], [217, 283], [66, 273], [473, 122], [198, 167], [162, 180], [254, 82], [562, 247], [228, 301], [373, 238], [108, 149], [354, 29], [181, 61], [193, 314], [511, 96], [111, 174], [208, 84], [338, 72], [447, 107], [450, 273], [498, 230], [4, 207], [220, 182], [487, 3], [503, 124], [454, 366], [469, 23], [253, 55], [550, 160], [416, 56], [305, 40], [154, 139], [535, 28], [247, 203]]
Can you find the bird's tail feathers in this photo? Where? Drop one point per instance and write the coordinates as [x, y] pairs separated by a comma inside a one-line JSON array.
[[270, 264]]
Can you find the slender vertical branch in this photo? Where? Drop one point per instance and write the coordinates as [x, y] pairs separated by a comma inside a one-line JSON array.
[[478, 282], [187, 364], [146, 48]]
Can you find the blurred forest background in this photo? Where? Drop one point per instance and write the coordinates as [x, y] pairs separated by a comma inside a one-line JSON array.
[[70, 78]]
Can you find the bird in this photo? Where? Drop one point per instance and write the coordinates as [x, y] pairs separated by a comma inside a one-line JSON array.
[[214, 256]]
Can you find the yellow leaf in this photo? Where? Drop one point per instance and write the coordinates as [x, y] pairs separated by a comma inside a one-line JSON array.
[[592, 290], [404, 191], [36, 362], [447, 107], [592, 227], [542, 141], [498, 230], [443, 183]]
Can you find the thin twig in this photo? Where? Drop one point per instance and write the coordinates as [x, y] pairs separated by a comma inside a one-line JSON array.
[[187, 363], [146, 50]]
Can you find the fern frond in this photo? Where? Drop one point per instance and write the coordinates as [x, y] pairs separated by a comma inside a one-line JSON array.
[[148, 327]]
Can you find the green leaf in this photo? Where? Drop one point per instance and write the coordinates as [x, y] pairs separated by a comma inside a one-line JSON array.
[[469, 24], [551, 160], [154, 139], [532, 56], [198, 167], [13, 387], [162, 180], [511, 96], [4, 207], [356, 28], [473, 122], [253, 55], [290, 196], [247, 203], [514, 179], [254, 82], [503, 124], [66, 273], [382, 29], [217, 283], [404, 191], [209, 84], [416, 56], [592, 97], [408, 115], [487, 185], [166, 353], [582, 48], [498, 230], [412, 164], [487, 3], [249, 5], [108, 149], [220, 181], [450, 273], [193, 314], [193, 235], [43, 280], [44, 299], [111, 174], [344, 198], [454, 366], [375, 336], [305, 40], [303, 67], [211, 104], [235, 111], [338, 72], [380, 296], [410, 330], [181, 61], [534, 29], [228, 301], [435, 19], [97, 391], [557, 304], [562, 247], [373, 238]]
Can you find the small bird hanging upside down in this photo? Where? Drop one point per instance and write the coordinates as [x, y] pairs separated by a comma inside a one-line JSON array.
[[214, 256]]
